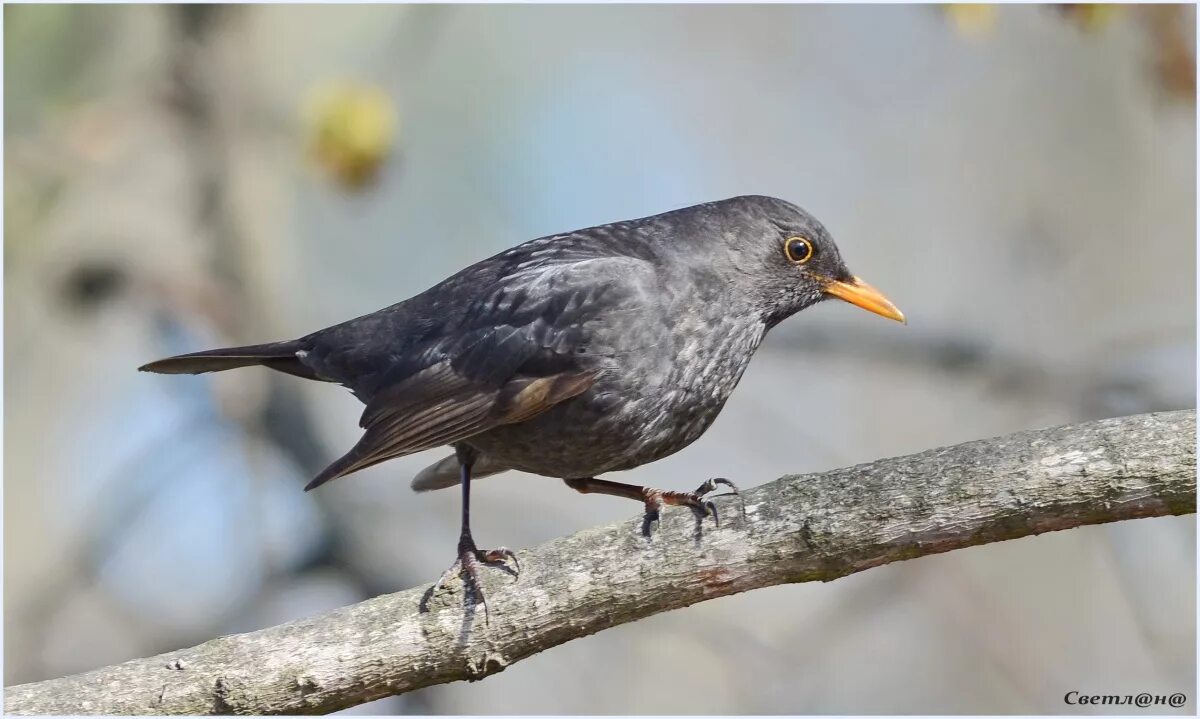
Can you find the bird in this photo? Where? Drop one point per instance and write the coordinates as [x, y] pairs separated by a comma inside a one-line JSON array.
[[569, 356]]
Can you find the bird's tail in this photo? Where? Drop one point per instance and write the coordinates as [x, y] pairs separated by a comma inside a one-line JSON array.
[[440, 475], [276, 355]]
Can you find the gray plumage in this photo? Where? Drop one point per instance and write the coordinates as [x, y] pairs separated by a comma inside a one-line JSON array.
[[570, 355]]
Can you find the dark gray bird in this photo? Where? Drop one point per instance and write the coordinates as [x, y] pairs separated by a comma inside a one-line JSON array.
[[570, 355]]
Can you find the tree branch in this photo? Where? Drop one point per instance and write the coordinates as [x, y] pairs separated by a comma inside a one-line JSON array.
[[796, 529]]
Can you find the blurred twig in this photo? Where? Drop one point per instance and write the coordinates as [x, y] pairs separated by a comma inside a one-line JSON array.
[[1006, 374], [796, 529]]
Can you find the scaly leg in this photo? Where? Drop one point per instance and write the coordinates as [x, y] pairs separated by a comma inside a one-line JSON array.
[[655, 499], [470, 556]]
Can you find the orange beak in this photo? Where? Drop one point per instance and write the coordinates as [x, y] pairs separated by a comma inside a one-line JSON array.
[[859, 293]]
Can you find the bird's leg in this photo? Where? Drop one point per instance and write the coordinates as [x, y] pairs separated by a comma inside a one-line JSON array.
[[470, 556], [655, 499]]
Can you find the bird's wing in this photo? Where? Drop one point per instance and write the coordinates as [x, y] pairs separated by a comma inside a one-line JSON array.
[[518, 348], [394, 429]]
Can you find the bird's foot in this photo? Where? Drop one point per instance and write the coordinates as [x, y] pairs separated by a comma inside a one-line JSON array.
[[467, 566], [656, 499]]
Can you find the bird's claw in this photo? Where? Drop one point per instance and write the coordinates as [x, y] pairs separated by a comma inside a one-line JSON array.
[[652, 516], [711, 486], [499, 555], [656, 499], [467, 566]]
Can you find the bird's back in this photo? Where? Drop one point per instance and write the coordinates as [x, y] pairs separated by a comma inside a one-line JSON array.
[[526, 308]]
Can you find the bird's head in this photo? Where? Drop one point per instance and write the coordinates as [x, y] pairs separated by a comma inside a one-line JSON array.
[[785, 259]]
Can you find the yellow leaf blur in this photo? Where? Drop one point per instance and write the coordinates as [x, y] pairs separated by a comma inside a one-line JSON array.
[[1091, 17], [351, 130], [970, 18]]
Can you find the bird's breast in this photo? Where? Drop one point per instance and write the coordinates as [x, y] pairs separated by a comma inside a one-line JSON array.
[[704, 369]]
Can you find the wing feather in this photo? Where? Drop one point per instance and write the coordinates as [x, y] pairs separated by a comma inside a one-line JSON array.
[[513, 351], [395, 433]]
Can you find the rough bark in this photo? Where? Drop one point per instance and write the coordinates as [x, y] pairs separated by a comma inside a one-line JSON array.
[[798, 528]]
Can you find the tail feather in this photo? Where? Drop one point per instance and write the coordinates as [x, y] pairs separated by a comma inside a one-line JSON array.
[[445, 473], [276, 355]]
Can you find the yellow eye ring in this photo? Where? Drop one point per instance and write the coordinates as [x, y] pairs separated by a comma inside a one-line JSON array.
[[798, 250]]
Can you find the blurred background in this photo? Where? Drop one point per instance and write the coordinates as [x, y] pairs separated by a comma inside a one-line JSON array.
[[1019, 179]]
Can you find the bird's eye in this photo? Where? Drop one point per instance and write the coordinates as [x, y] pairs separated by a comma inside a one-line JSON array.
[[798, 249]]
